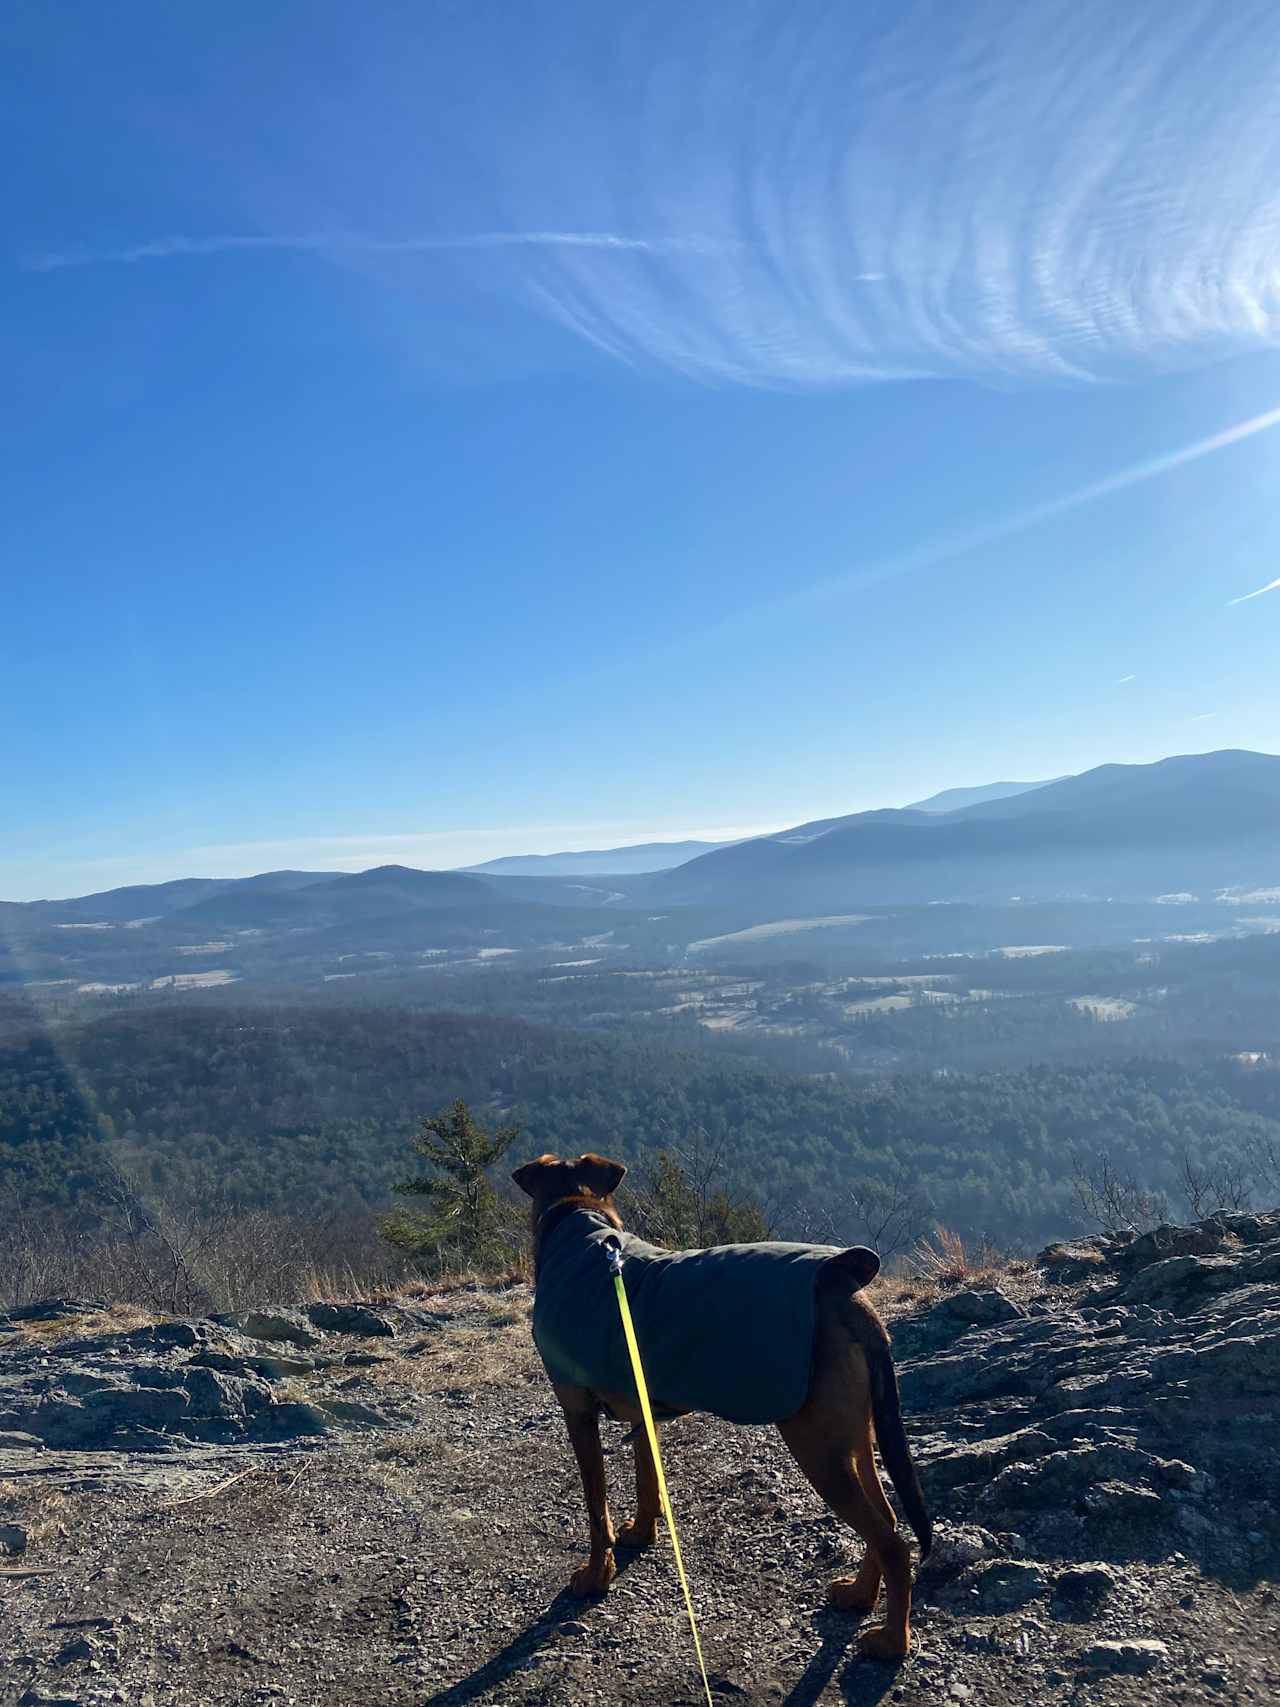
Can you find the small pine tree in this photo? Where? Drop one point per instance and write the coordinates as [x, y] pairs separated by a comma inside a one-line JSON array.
[[465, 1222], [681, 1210]]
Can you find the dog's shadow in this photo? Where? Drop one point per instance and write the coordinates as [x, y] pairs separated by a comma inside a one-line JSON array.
[[862, 1683], [564, 1609]]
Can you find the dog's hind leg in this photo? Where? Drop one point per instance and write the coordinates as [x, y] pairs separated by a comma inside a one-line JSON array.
[[582, 1418], [643, 1527], [830, 1431], [860, 1593]]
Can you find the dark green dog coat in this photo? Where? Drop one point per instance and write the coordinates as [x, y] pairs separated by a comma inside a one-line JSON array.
[[727, 1330]]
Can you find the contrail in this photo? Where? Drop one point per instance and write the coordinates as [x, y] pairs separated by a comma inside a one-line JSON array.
[[990, 533], [354, 242], [1134, 475], [1271, 587]]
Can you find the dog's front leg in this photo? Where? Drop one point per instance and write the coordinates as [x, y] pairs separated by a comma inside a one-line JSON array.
[[584, 1434]]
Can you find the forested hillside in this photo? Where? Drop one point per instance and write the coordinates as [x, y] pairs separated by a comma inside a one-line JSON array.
[[301, 1109]]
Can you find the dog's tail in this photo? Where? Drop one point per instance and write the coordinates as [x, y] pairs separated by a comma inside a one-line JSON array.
[[864, 1326], [886, 1411]]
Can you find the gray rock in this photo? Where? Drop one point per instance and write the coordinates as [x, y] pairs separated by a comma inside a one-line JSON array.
[[1250, 1229], [1122, 1500], [1180, 1277], [349, 1319], [1205, 1238], [148, 1407], [1063, 1478], [1104, 1420], [214, 1395], [1069, 1263], [980, 1459], [161, 1335], [288, 1326], [1003, 1585], [931, 1382], [1081, 1591], [13, 1539], [54, 1309], [13, 1440], [79, 1649], [287, 1421], [268, 1366], [957, 1546], [352, 1411], [981, 1309], [1137, 1654], [83, 1380]]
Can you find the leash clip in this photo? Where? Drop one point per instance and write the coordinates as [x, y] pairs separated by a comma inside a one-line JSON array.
[[613, 1256]]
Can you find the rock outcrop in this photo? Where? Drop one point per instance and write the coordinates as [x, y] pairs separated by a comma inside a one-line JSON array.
[[1131, 1409], [265, 1376]]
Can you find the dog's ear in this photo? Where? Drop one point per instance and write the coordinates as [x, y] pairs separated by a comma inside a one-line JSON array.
[[527, 1176], [600, 1176]]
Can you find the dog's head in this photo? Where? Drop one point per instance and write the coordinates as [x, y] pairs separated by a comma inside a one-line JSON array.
[[589, 1179]]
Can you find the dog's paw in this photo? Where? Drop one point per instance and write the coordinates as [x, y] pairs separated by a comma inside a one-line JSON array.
[[853, 1594], [592, 1579], [634, 1534], [881, 1643]]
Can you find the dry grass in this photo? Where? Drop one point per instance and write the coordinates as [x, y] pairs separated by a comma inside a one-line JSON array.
[[44, 1512], [492, 1347], [517, 1272], [945, 1259], [943, 1263], [111, 1319]]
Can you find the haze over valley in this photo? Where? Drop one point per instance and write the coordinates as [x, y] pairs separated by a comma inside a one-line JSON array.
[[1124, 922]]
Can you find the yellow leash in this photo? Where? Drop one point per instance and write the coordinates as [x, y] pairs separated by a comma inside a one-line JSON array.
[[629, 1331]]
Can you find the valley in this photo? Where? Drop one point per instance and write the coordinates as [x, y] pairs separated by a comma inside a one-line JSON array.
[[294, 1025]]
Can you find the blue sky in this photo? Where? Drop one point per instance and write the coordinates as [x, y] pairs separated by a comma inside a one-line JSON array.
[[441, 431]]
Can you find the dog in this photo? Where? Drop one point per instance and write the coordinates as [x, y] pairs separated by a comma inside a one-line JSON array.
[[755, 1333]]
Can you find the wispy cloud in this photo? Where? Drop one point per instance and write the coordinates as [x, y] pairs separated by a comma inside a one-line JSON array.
[[1125, 679], [1202, 717], [177, 248], [1271, 587], [1086, 192]]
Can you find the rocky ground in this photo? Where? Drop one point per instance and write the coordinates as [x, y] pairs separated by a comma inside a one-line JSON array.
[[376, 1504]]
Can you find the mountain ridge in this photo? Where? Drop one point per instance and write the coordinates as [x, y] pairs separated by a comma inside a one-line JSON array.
[[629, 861], [1181, 822], [956, 799]]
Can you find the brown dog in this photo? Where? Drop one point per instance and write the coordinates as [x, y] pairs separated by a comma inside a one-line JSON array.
[[753, 1332]]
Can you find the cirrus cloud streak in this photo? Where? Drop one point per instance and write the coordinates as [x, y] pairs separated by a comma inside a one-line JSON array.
[[1066, 191]]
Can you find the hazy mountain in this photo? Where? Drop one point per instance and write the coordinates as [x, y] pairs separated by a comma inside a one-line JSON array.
[[1205, 820], [156, 900], [271, 897], [956, 799], [644, 856], [1235, 789], [1193, 824], [382, 892]]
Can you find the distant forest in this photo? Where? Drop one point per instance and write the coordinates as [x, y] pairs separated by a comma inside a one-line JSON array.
[[312, 1108]]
